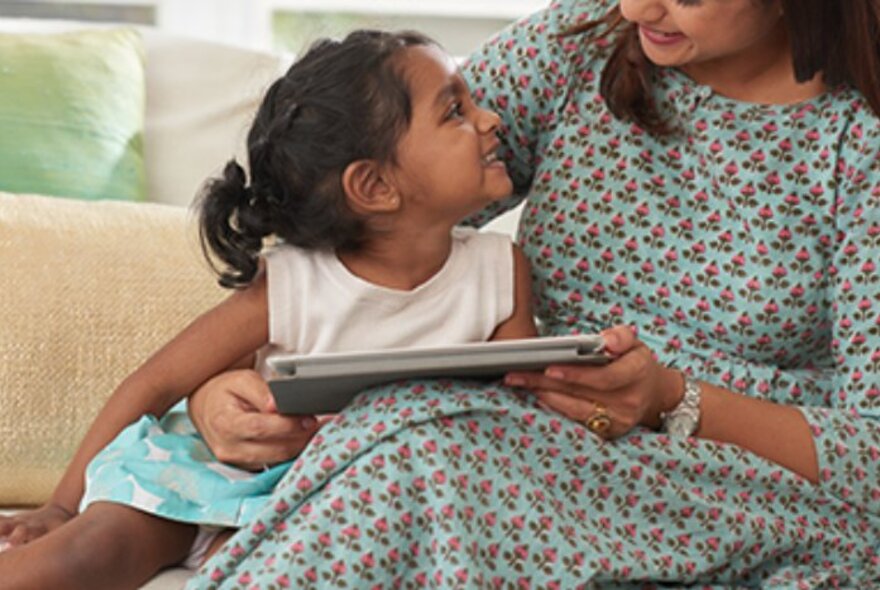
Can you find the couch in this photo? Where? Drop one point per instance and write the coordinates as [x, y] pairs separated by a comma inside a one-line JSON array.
[[91, 288]]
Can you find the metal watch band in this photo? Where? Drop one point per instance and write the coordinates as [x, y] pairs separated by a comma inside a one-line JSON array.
[[684, 418]]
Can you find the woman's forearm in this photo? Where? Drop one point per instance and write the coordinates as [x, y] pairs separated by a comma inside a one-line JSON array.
[[776, 432]]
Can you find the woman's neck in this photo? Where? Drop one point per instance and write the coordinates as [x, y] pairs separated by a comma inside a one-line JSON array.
[[400, 260], [763, 74]]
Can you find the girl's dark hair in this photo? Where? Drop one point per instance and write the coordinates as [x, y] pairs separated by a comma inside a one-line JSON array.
[[340, 102], [839, 38]]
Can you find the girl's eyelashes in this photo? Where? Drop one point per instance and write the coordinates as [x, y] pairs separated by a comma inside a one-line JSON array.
[[690, 2], [455, 111]]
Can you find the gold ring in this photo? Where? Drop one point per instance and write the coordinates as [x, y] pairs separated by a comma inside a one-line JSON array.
[[599, 422]]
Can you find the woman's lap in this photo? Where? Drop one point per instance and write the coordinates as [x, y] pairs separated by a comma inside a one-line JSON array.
[[461, 484]]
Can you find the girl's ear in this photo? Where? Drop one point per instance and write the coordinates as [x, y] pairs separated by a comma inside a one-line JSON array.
[[367, 190]]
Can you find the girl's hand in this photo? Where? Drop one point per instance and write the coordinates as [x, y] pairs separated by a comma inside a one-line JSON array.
[[27, 526], [236, 414], [633, 389]]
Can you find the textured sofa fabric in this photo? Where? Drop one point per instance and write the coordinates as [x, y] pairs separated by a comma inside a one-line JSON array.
[[91, 290], [98, 287], [71, 258]]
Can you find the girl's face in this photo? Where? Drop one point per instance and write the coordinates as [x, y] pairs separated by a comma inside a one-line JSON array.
[[446, 166], [699, 32]]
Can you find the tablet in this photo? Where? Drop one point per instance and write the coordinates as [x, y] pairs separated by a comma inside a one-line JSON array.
[[325, 383]]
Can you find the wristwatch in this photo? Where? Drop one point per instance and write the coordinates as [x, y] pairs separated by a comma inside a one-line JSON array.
[[683, 419]]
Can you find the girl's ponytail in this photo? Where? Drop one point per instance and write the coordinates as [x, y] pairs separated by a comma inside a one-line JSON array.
[[230, 227]]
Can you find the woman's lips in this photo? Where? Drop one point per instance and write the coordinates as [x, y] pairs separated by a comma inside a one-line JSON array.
[[659, 38]]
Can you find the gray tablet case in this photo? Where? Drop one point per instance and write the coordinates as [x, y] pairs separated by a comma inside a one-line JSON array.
[[326, 383]]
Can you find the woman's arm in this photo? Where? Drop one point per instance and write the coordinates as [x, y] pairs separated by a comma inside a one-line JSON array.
[[496, 72], [635, 389], [214, 341]]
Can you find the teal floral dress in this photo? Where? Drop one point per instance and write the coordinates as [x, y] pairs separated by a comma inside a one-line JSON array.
[[744, 249]]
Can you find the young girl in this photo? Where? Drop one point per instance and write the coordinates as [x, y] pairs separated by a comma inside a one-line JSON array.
[[362, 157]]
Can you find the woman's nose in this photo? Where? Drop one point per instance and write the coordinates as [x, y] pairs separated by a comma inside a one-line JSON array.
[[642, 11]]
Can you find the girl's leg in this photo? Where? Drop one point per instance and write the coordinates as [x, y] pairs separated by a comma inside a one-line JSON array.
[[217, 543], [108, 546]]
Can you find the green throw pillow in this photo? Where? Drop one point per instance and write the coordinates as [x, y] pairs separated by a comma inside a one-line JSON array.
[[72, 114]]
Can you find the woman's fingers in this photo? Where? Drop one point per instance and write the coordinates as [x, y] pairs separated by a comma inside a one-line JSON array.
[[619, 339], [579, 380], [249, 387], [236, 415], [571, 407], [583, 411], [259, 426]]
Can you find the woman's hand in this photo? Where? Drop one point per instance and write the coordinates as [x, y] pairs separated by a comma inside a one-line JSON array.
[[633, 389], [236, 414], [27, 526]]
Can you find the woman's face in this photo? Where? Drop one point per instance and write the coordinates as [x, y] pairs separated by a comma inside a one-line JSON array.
[[691, 32]]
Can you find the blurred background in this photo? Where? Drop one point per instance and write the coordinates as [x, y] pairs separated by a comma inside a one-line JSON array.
[[290, 25]]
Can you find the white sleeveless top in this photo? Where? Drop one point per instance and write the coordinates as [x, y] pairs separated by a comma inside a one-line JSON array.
[[317, 305]]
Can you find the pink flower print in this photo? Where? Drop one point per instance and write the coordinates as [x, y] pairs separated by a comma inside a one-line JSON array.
[[311, 574], [283, 581], [244, 578], [367, 560], [339, 568]]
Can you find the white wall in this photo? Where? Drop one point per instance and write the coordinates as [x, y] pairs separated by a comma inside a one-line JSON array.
[[249, 22]]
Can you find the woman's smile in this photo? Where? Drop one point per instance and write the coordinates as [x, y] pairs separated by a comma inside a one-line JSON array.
[[659, 37]]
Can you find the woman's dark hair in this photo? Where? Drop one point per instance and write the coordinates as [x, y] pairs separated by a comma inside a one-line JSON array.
[[839, 38], [340, 102]]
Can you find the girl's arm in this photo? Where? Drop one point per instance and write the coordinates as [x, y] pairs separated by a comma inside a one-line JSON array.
[[521, 323], [214, 341]]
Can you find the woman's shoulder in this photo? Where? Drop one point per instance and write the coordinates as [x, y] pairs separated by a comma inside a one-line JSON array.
[[564, 14], [858, 123], [542, 50], [546, 27]]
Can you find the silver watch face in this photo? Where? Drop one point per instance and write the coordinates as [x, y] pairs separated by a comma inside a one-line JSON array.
[[682, 424]]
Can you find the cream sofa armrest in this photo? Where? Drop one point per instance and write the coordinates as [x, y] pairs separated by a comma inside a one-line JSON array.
[[91, 290]]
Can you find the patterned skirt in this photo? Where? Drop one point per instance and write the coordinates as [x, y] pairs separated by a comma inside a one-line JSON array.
[[467, 485]]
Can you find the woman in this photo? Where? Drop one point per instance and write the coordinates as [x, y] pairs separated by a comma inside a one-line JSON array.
[[704, 176]]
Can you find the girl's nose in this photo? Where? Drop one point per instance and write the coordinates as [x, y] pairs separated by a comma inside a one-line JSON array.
[[488, 121]]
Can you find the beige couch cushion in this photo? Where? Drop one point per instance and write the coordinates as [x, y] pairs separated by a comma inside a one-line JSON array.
[[90, 290]]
